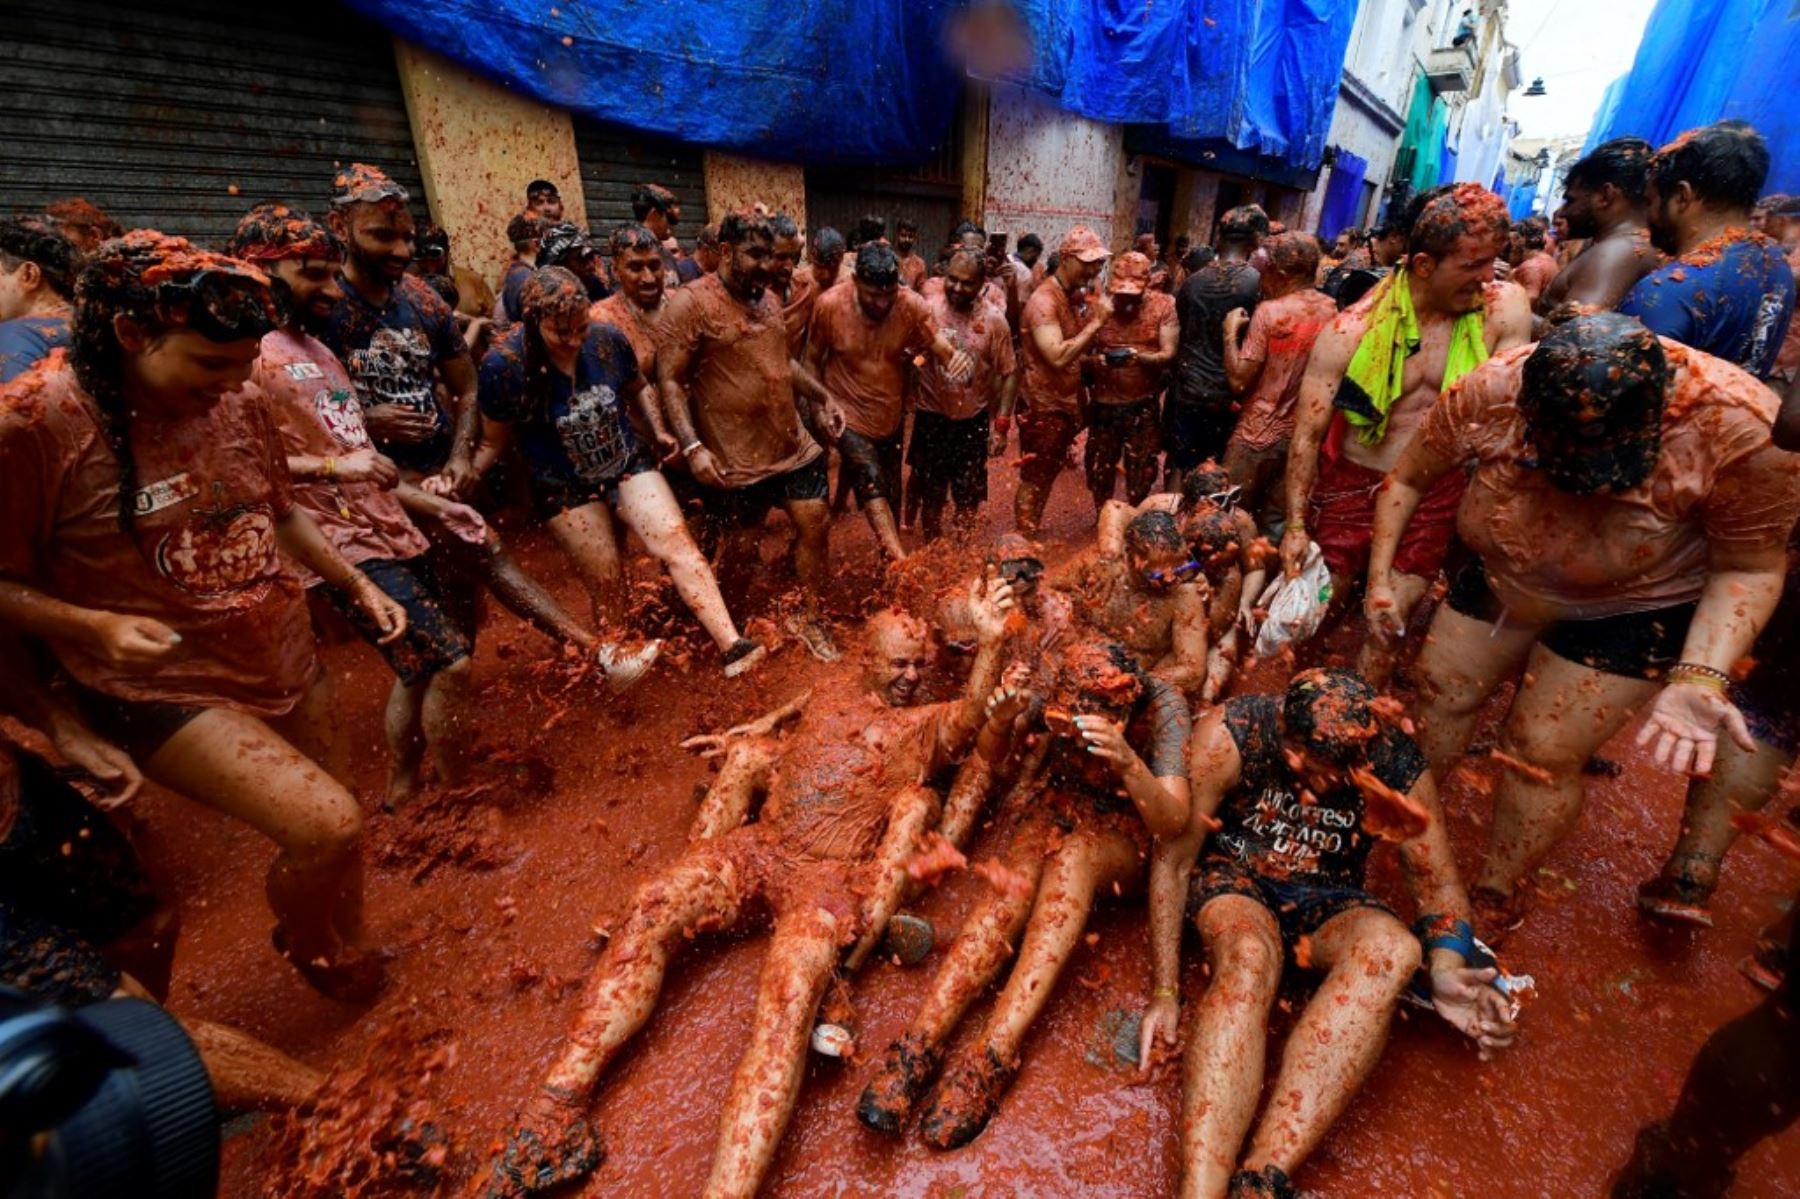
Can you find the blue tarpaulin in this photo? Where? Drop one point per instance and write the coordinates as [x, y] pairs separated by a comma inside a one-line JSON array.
[[1519, 205], [857, 81], [1707, 60], [1343, 193]]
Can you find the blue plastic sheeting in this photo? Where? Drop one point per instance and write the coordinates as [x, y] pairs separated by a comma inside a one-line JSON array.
[[1707, 60], [1261, 75], [1343, 192], [1519, 206], [850, 81]]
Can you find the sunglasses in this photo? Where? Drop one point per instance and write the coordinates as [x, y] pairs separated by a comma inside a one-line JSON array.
[[1176, 574], [1014, 570], [221, 306]]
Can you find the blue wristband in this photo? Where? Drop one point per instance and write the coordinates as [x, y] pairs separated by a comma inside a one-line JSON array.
[[1441, 932]]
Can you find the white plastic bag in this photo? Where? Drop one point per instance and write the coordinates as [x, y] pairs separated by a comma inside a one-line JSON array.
[[1296, 606]]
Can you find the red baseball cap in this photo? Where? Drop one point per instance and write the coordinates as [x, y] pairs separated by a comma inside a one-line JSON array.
[[1084, 244], [1130, 274]]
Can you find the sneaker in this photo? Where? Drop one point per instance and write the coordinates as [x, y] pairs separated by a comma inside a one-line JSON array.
[[908, 938], [1269, 1181], [1678, 900], [815, 637], [625, 670], [965, 1100], [743, 654], [532, 1162], [905, 1070]]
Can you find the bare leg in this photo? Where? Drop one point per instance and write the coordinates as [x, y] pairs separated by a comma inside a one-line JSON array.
[[911, 812], [235, 764], [971, 1087], [314, 729], [1370, 957], [1740, 782], [404, 720], [880, 515], [648, 508], [249, 1075], [585, 534], [1555, 725], [761, 1099], [1463, 661], [1380, 649], [526, 598], [1222, 1069], [744, 772], [445, 716], [812, 549]]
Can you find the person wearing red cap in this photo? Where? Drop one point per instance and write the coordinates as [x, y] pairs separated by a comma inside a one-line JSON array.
[[1267, 366], [1057, 331], [1129, 363]]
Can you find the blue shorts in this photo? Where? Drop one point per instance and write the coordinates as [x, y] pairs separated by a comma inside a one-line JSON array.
[[433, 640], [1299, 908]]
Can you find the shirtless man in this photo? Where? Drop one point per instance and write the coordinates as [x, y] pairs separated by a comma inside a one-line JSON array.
[[846, 808], [1533, 267], [862, 345], [634, 308], [1298, 788], [1359, 407], [1152, 598], [732, 394], [1129, 363], [1605, 201], [912, 267]]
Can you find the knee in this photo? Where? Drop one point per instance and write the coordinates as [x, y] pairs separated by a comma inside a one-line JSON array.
[[1390, 953], [1247, 963], [332, 829], [458, 675], [1543, 743]]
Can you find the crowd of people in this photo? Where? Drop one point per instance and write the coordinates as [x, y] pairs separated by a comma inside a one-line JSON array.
[[1553, 459]]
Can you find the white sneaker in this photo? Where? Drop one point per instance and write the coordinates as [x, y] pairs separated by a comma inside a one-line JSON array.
[[625, 670]]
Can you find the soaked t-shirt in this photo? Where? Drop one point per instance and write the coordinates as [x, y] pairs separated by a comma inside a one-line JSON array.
[[1157, 731], [830, 794], [392, 354], [1133, 381], [28, 340], [201, 554], [1045, 387], [572, 431], [1733, 301], [510, 306], [1202, 304], [1718, 481], [311, 402], [868, 361], [740, 383], [796, 314], [1275, 831], [640, 329], [913, 272], [983, 334], [1281, 336]]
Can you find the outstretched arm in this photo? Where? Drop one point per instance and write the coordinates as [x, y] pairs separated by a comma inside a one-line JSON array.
[[990, 603], [1185, 666], [1419, 467], [1324, 372]]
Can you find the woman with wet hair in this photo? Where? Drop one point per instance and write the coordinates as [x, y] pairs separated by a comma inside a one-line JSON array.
[[1629, 516], [1109, 772], [559, 383], [146, 490]]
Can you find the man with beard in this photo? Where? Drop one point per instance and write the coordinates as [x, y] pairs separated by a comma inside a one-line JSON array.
[[634, 308], [798, 285], [728, 384], [1725, 290], [1605, 203], [1152, 597], [1056, 334], [861, 345], [912, 266], [656, 209], [846, 806], [354, 494], [1373, 376], [951, 437], [398, 341], [1130, 361]]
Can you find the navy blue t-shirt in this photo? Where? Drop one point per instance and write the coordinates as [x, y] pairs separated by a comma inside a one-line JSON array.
[[574, 432], [1735, 307], [512, 287], [27, 341], [393, 354]]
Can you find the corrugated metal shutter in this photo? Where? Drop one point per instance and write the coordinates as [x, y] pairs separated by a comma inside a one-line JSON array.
[[929, 194], [614, 161], [156, 113]]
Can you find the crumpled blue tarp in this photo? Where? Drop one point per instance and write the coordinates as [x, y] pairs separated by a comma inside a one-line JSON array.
[[1707, 60], [868, 81], [849, 81]]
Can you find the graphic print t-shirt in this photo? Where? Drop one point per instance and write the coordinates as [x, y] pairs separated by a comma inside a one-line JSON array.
[[573, 432], [392, 354]]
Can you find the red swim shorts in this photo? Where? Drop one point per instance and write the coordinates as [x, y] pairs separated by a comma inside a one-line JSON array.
[[1343, 519]]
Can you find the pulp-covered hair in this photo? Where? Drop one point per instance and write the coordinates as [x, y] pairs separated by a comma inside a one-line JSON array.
[[1331, 712], [829, 244], [37, 240], [1294, 255], [123, 277], [1204, 481], [272, 232], [80, 213], [1243, 225], [783, 225], [741, 226], [524, 229], [878, 265], [1726, 163], [1153, 530], [1530, 234], [1446, 215], [1099, 668], [649, 198], [869, 228], [965, 254], [628, 237], [1623, 162], [551, 292], [709, 234], [1030, 241]]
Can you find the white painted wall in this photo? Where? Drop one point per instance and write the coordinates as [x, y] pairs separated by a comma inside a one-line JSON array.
[[1049, 170]]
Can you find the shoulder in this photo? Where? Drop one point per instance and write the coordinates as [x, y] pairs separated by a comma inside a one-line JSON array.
[[428, 303], [506, 357], [1043, 305], [608, 342], [1722, 393], [1160, 306], [46, 403]]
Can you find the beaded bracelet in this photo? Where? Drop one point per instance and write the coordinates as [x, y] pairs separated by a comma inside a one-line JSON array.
[[1695, 674]]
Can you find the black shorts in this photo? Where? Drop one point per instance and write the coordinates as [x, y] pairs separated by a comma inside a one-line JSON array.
[[747, 507], [551, 497], [140, 727], [872, 466], [948, 454], [432, 641], [1299, 908], [1633, 645], [1193, 433], [69, 883]]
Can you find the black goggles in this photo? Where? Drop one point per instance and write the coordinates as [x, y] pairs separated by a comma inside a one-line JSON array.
[[1015, 570], [1176, 574], [221, 306]]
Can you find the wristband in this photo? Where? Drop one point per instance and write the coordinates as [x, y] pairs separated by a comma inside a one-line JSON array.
[[688, 449], [1446, 932], [1002, 424], [330, 466], [1166, 993], [1695, 674]]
